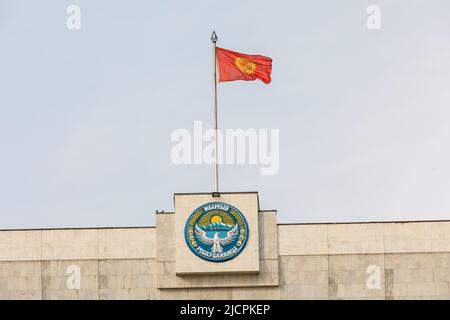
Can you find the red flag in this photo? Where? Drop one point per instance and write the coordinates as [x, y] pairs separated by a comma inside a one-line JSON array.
[[239, 66]]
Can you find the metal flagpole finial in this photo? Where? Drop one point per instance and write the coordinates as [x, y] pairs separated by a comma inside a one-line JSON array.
[[214, 37]]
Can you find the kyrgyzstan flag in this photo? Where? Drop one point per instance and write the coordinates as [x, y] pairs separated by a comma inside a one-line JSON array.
[[239, 66]]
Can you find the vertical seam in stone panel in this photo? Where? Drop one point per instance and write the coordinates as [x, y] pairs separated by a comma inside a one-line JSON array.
[[384, 264], [260, 238], [278, 256], [41, 261], [98, 268], [328, 263]]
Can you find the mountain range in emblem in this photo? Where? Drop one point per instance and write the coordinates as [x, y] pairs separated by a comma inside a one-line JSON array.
[[217, 226]]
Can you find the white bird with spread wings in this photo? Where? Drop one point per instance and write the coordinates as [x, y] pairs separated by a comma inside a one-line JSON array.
[[216, 242]]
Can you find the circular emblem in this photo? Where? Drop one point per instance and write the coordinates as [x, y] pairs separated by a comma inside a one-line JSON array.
[[216, 232], [245, 65]]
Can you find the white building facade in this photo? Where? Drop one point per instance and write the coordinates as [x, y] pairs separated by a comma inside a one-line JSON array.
[[379, 260]]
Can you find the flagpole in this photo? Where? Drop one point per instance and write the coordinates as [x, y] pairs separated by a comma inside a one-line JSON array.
[[216, 152]]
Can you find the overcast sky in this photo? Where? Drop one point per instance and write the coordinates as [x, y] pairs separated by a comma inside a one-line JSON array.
[[86, 116]]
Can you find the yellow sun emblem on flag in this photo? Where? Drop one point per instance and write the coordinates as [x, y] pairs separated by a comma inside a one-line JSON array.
[[245, 65]]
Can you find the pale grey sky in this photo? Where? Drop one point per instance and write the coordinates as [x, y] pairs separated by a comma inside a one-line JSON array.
[[86, 116]]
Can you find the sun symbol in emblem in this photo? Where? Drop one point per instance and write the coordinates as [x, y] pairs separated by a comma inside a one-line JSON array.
[[245, 65], [216, 219]]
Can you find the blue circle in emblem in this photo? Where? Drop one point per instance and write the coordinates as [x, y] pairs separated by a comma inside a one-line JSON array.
[[216, 232]]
